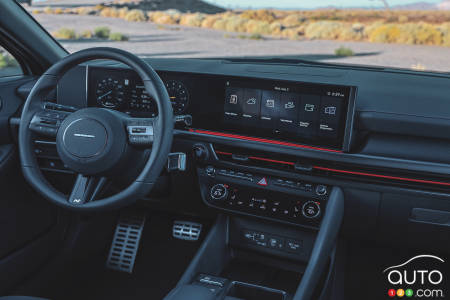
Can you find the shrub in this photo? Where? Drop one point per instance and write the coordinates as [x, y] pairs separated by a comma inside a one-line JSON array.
[[236, 24], [410, 33], [85, 10], [259, 15], [329, 30], [48, 10], [123, 12], [153, 15], [109, 12], [135, 15], [117, 36], [36, 11], [58, 11], [220, 24], [425, 34], [276, 28], [259, 27], [7, 60], [65, 34], [102, 32], [388, 33], [167, 19], [209, 20], [194, 20], [445, 31], [293, 20], [293, 33], [344, 52], [86, 34], [353, 32]]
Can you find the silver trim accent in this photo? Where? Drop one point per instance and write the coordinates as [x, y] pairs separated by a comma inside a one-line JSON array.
[[188, 231], [84, 135], [87, 86], [148, 130]]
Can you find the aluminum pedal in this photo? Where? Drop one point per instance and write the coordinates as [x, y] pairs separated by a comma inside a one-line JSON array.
[[188, 231], [125, 244]]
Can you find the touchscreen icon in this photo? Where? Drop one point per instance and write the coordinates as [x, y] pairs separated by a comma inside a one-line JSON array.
[[309, 107], [330, 110], [251, 101], [289, 105], [270, 103], [233, 99]]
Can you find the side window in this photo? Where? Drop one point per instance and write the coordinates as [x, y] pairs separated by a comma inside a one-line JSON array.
[[8, 64]]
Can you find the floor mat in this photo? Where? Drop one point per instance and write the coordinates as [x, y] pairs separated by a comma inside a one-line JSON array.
[[160, 262]]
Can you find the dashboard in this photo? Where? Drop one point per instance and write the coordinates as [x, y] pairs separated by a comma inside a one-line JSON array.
[[307, 113], [271, 140]]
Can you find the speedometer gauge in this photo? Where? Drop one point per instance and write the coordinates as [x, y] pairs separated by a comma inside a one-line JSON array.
[[109, 93], [179, 96]]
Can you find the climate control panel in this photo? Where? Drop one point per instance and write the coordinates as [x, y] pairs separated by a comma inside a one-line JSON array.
[[269, 197]]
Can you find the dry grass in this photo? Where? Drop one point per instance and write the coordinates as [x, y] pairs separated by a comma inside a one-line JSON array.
[[135, 15], [65, 34], [406, 27]]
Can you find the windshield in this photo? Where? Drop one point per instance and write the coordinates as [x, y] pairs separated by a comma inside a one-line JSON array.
[[398, 34]]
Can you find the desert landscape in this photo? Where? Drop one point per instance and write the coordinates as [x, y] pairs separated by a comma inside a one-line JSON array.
[[395, 37]]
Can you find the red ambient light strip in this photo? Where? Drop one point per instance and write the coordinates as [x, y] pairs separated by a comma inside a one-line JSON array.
[[382, 176], [347, 172], [253, 139], [260, 158]]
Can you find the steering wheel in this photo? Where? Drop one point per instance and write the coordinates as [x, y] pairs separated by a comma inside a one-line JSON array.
[[96, 143]]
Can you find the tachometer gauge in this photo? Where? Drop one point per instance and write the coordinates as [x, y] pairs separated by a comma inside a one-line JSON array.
[[109, 93], [179, 96]]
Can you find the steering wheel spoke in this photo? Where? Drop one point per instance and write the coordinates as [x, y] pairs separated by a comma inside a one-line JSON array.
[[47, 121], [141, 131], [86, 189]]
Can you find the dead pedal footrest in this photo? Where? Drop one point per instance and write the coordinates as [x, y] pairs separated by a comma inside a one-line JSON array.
[[125, 243]]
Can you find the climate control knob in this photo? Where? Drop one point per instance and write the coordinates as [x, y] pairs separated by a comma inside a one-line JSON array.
[[219, 192], [321, 190], [311, 209]]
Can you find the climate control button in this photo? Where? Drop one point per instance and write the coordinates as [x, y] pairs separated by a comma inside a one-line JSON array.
[[311, 209], [219, 192]]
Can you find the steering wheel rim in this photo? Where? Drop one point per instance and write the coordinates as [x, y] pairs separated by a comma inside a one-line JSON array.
[[162, 139]]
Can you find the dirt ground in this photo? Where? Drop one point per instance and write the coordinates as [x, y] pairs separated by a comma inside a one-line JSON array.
[[151, 40]]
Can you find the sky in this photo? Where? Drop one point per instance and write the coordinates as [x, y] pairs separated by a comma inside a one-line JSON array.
[[309, 3]]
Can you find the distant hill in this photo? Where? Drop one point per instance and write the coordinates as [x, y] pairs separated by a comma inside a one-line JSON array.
[[444, 5], [416, 6], [180, 5]]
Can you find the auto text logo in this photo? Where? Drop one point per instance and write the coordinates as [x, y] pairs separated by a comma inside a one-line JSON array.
[[419, 277]]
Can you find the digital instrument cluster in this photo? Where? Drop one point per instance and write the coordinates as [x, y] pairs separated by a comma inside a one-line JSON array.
[[123, 90]]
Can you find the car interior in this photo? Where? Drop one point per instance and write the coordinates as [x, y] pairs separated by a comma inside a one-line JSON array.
[[222, 178]]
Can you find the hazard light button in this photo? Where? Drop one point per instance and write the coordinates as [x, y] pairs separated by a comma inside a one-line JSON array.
[[262, 182]]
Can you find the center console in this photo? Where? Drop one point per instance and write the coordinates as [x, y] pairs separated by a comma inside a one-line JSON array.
[[279, 221]]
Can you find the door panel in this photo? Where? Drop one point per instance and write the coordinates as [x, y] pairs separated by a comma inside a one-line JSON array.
[[29, 231]]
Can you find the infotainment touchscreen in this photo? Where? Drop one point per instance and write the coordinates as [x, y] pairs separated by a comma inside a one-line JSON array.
[[296, 112]]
